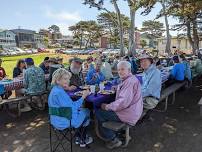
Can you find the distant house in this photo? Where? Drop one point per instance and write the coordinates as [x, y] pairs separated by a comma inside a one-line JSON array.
[[27, 38], [104, 41], [151, 42], [7, 39], [45, 33], [65, 40], [180, 43], [56, 36], [39, 40]]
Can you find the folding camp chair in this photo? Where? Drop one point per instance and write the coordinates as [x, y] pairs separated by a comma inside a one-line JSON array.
[[63, 136]]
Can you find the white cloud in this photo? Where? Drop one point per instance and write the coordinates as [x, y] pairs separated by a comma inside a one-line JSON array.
[[64, 28], [63, 15]]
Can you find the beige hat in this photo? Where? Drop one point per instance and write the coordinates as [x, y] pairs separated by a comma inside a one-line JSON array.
[[145, 56]]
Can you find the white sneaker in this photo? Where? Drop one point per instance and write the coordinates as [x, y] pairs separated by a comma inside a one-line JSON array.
[[77, 140], [87, 141]]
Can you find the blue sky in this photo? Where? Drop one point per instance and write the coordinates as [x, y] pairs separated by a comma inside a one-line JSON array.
[[36, 14]]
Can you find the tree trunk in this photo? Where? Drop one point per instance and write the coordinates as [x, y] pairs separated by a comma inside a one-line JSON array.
[[189, 35], [168, 37], [120, 27], [81, 40], [195, 37], [132, 45]]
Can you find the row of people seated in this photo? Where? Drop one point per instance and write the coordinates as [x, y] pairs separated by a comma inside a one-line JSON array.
[[181, 70], [131, 98]]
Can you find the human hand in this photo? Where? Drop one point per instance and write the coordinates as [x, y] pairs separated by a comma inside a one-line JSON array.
[[72, 88], [103, 106], [114, 88], [94, 77], [85, 93]]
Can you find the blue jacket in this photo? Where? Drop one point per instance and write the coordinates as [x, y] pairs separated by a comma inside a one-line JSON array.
[[99, 78], [178, 72], [59, 98], [151, 82]]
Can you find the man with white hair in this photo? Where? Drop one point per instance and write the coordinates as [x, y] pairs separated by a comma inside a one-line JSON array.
[[76, 71], [126, 108]]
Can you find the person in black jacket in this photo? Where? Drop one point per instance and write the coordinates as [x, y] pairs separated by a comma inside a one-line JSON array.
[[45, 65], [18, 70]]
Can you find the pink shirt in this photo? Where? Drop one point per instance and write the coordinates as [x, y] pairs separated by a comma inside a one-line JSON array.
[[128, 104]]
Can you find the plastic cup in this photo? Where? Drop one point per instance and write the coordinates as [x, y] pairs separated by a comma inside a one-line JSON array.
[[102, 86], [92, 88]]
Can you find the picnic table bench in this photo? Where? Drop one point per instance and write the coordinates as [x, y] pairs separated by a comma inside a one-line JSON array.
[[16, 101], [118, 126], [171, 90], [200, 104]]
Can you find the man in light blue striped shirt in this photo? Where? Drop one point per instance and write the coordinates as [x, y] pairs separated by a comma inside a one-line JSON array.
[[151, 87]]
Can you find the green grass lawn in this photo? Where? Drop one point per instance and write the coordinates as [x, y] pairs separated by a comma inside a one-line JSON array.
[[10, 62]]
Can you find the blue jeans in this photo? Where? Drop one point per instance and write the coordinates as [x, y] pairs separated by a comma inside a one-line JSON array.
[[104, 116]]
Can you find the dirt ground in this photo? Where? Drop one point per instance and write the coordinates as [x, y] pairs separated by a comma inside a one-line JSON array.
[[177, 130]]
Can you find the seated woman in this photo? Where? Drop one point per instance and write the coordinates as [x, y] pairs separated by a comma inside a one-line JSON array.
[[127, 107], [95, 76], [18, 70], [59, 98], [2, 71]]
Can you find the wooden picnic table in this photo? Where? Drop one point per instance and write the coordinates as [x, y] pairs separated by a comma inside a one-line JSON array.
[[15, 83]]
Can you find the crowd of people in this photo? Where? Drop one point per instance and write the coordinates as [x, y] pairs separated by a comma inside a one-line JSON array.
[[132, 102]]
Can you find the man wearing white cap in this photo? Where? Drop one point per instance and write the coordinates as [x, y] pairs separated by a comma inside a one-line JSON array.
[[151, 87]]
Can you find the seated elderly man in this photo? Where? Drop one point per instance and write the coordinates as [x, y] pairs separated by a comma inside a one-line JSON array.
[[151, 87], [95, 76], [126, 108], [76, 71]]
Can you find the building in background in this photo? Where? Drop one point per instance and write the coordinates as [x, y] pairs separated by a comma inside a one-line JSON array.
[[27, 38], [150, 42], [180, 43], [7, 39], [39, 40], [104, 41], [65, 41], [45, 33]]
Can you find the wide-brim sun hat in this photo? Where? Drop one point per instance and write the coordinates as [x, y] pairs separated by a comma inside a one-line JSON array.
[[145, 56]]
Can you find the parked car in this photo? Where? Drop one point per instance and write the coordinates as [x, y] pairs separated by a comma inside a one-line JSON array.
[[42, 50], [29, 51], [4, 53], [34, 51], [19, 51], [67, 52]]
